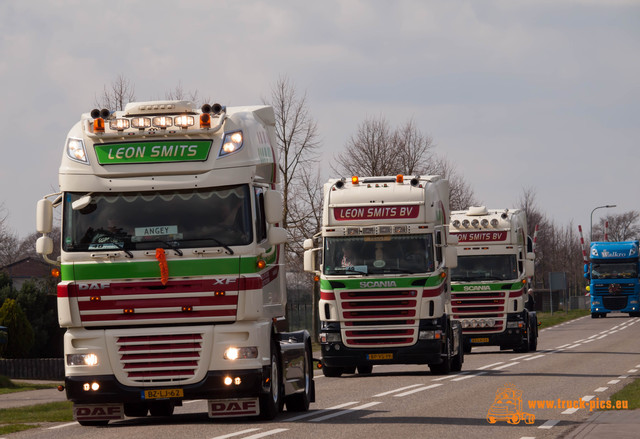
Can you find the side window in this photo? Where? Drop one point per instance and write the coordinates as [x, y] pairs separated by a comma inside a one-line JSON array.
[[261, 224]]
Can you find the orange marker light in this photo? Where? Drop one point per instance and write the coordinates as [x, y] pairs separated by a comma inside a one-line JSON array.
[[354, 179], [205, 120], [261, 264], [399, 178], [55, 272], [98, 125]]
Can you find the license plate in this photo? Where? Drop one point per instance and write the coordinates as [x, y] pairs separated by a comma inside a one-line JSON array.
[[480, 340], [163, 393], [380, 357]]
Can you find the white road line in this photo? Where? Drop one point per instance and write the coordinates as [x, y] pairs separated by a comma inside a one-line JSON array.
[[574, 346], [469, 376], [489, 365], [601, 337], [351, 410], [601, 389], [563, 346], [237, 433], [267, 433], [549, 424], [419, 389], [521, 357], [533, 358], [570, 411], [587, 341], [613, 382], [396, 390], [504, 366], [588, 397], [622, 377], [632, 370], [319, 412], [593, 336], [62, 426]]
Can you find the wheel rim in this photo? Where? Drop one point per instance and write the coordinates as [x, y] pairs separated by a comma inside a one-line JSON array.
[[275, 384]]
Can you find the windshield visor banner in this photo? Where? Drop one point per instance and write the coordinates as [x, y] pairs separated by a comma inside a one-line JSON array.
[[161, 151], [375, 213], [481, 236]]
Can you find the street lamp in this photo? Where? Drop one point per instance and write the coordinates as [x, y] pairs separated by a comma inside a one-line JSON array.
[[591, 225]]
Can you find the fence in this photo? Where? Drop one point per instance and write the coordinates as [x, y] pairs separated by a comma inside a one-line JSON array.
[[300, 316], [33, 368]]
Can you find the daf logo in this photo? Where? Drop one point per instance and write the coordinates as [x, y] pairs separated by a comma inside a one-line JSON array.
[[94, 286]]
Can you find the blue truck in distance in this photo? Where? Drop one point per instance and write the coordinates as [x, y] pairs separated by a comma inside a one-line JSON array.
[[613, 272]]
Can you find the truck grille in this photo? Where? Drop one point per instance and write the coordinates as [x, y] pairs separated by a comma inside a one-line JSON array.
[[618, 288], [126, 303], [160, 359], [614, 302], [379, 318], [477, 305]]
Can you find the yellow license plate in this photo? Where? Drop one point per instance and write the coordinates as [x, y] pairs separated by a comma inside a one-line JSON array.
[[163, 393], [380, 357], [479, 340]]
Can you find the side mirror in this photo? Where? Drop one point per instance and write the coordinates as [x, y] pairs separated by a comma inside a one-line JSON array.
[[451, 256], [273, 206], [277, 236], [308, 244], [310, 261], [529, 267], [44, 246], [44, 216]]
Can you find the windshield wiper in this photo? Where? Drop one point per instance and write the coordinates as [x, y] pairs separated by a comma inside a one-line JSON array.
[[171, 246], [223, 245]]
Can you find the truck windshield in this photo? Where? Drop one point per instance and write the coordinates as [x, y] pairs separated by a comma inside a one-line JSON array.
[[218, 217], [617, 270], [484, 268], [365, 255]]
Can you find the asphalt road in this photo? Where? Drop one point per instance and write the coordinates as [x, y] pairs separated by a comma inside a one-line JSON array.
[[582, 360]]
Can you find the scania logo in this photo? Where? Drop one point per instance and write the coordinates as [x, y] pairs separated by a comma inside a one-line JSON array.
[[477, 288], [378, 284]]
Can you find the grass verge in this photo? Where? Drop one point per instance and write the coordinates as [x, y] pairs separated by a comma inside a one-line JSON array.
[[547, 319], [629, 393], [24, 418]]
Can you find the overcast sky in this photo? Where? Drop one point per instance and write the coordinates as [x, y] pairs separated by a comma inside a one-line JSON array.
[[540, 94]]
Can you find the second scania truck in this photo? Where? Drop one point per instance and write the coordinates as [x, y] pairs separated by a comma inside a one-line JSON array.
[[384, 275]]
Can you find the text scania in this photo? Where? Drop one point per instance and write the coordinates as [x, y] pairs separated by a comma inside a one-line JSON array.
[[477, 288], [157, 151], [378, 284]]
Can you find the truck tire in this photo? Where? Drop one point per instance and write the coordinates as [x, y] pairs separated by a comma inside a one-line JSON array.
[[161, 408], [445, 367], [533, 339], [456, 363], [271, 403], [365, 369], [299, 402], [133, 410], [332, 372]]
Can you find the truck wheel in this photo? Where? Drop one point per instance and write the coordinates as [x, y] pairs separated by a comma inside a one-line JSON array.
[[161, 408], [299, 402], [133, 410], [466, 347], [93, 423], [365, 369], [524, 345], [533, 337], [332, 372], [456, 363], [444, 367], [271, 403], [594, 315]]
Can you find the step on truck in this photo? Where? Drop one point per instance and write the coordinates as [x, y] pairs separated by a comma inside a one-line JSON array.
[[612, 271], [172, 283], [490, 283], [384, 262]]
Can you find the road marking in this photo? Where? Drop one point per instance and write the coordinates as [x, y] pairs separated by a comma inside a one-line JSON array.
[[575, 345], [521, 357], [632, 370], [563, 346], [587, 341], [267, 433], [613, 382], [469, 376], [588, 397], [489, 365], [601, 337], [319, 412], [237, 433], [396, 390], [601, 389], [570, 411], [504, 366], [333, 415], [549, 424], [62, 426], [533, 358], [419, 389], [622, 377], [593, 336]]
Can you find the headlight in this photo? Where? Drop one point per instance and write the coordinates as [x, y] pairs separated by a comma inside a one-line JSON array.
[[430, 335], [82, 360], [234, 353], [232, 142], [76, 151], [515, 324], [330, 337]]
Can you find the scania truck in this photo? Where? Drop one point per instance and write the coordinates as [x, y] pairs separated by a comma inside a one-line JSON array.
[[172, 278], [490, 284], [613, 278], [383, 260]]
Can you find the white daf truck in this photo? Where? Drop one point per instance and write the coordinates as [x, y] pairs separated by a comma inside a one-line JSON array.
[[384, 261], [172, 279], [490, 284]]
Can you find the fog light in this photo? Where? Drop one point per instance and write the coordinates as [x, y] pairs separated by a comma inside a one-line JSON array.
[[228, 381], [95, 386]]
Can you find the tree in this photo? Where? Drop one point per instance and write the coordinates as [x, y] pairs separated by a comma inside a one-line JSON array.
[[119, 94], [179, 94], [19, 329], [621, 227], [376, 150], [40, 310]]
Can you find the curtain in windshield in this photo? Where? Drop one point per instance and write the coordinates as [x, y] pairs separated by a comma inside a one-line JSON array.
[[143, 220], [485, 268]]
